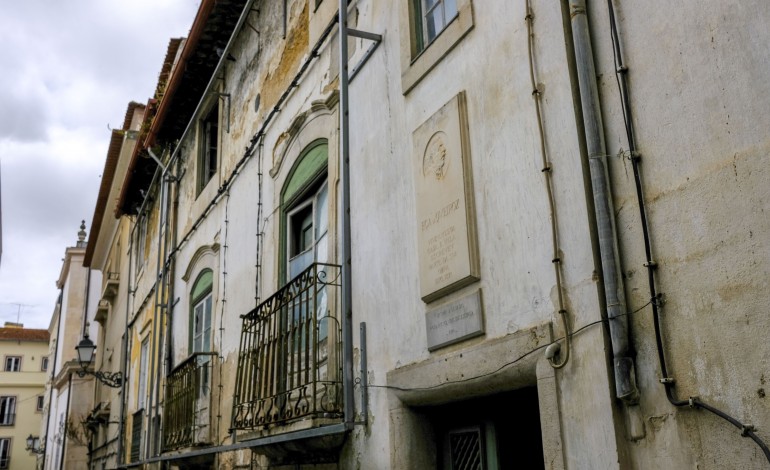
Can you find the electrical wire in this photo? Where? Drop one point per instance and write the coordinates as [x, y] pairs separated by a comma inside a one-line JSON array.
[[510, 363], [222, 311], [547, 171], [620, 77]]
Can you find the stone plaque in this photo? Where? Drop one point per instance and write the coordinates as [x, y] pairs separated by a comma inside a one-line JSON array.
[[455, 321], [446, 230]]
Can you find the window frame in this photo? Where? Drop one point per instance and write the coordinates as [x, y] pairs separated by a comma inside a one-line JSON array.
[[421, 39], [141, 240], [40, 403], [5, 462], [18, 363], [12, 413], [199, 299], [144, 360], [44, 364], [206, 169], [419, 57], [310, 197], [308, 175]]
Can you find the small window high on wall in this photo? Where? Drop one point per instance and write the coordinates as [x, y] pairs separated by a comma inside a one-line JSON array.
[[430, 18], [208, 151]]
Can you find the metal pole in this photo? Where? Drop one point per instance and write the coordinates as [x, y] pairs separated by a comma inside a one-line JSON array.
[[347, 292], [124, 355], [364, 376]]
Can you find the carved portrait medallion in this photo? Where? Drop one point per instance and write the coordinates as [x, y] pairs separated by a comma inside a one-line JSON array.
[[435, 161]]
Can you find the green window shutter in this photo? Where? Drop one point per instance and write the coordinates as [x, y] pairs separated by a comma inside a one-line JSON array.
[[308, 167], [202, 284]]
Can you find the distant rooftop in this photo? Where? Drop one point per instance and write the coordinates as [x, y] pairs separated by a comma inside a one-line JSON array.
[[16, 332]]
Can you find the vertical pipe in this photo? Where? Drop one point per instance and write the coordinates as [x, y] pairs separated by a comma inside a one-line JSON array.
[[347, 292], [124, 359], [625, 382], [66, 423], [364, 375], [163, 278], [85, 304], [155, 349]]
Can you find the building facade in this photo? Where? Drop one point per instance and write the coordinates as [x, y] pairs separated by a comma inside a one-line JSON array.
[[107, 252], [22, 383], [446, 234], [69, 395]]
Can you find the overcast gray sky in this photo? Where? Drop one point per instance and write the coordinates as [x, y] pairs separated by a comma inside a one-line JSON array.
[[67, 72]]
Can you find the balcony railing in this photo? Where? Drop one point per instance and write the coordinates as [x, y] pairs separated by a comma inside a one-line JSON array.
[[290, 358], [186, 409]]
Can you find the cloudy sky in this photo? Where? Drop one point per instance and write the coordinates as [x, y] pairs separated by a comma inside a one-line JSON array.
[[67, 72]]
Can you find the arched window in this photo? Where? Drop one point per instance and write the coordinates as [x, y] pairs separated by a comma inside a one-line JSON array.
[[305, 204], [200, 312]]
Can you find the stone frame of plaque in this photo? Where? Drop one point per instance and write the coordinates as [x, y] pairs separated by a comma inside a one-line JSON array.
[[446, 218], [455, 321]]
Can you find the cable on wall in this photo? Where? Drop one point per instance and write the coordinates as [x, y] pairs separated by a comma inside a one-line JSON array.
[[509, 363], [260, 232], [547, 172], [621, 71], [220, 357], [249, 151]]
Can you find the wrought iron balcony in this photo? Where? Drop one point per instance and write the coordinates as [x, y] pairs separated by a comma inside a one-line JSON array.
[[290, 358], [188, 398]]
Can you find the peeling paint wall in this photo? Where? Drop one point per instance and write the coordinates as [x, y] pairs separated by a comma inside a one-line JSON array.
[[699, 108], [704, 158]]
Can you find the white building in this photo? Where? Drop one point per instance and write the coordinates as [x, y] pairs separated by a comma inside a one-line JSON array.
[[69, 396], [557, 243]]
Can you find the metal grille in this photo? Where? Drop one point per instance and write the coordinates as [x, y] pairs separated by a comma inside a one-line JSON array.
[[136, 435], [188, 383], [465, 449], [290, 358]]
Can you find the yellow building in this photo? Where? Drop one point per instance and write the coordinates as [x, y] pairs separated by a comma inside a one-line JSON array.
[[24, 353]]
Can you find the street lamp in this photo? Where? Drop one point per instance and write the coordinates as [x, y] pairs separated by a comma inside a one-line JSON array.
[[85, 350], [33, 445]]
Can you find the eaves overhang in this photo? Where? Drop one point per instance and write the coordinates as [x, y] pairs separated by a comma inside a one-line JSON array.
[[179, 93], [114, 151]]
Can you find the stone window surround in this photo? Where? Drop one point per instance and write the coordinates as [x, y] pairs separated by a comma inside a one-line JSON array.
[[206, 257], [415, 65], [202, 180], [5, 363]]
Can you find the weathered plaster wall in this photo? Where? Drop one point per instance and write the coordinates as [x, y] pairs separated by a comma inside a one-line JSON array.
[[699, 102], [704, 174], [517, 276]]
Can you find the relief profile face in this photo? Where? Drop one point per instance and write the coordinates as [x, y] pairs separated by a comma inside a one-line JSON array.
[[435, 161]]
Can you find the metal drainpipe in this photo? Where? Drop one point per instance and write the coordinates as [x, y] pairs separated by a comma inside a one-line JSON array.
[[66, 423], [165, 182], [347, 292], [625, 380], [156, 354], [124, 361]]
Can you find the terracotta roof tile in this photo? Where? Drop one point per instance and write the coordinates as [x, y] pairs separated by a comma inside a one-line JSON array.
[[23, 334]]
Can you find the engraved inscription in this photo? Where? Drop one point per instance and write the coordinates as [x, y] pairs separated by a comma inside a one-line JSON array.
[[448, 254], [455, 321], [441, 250]]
